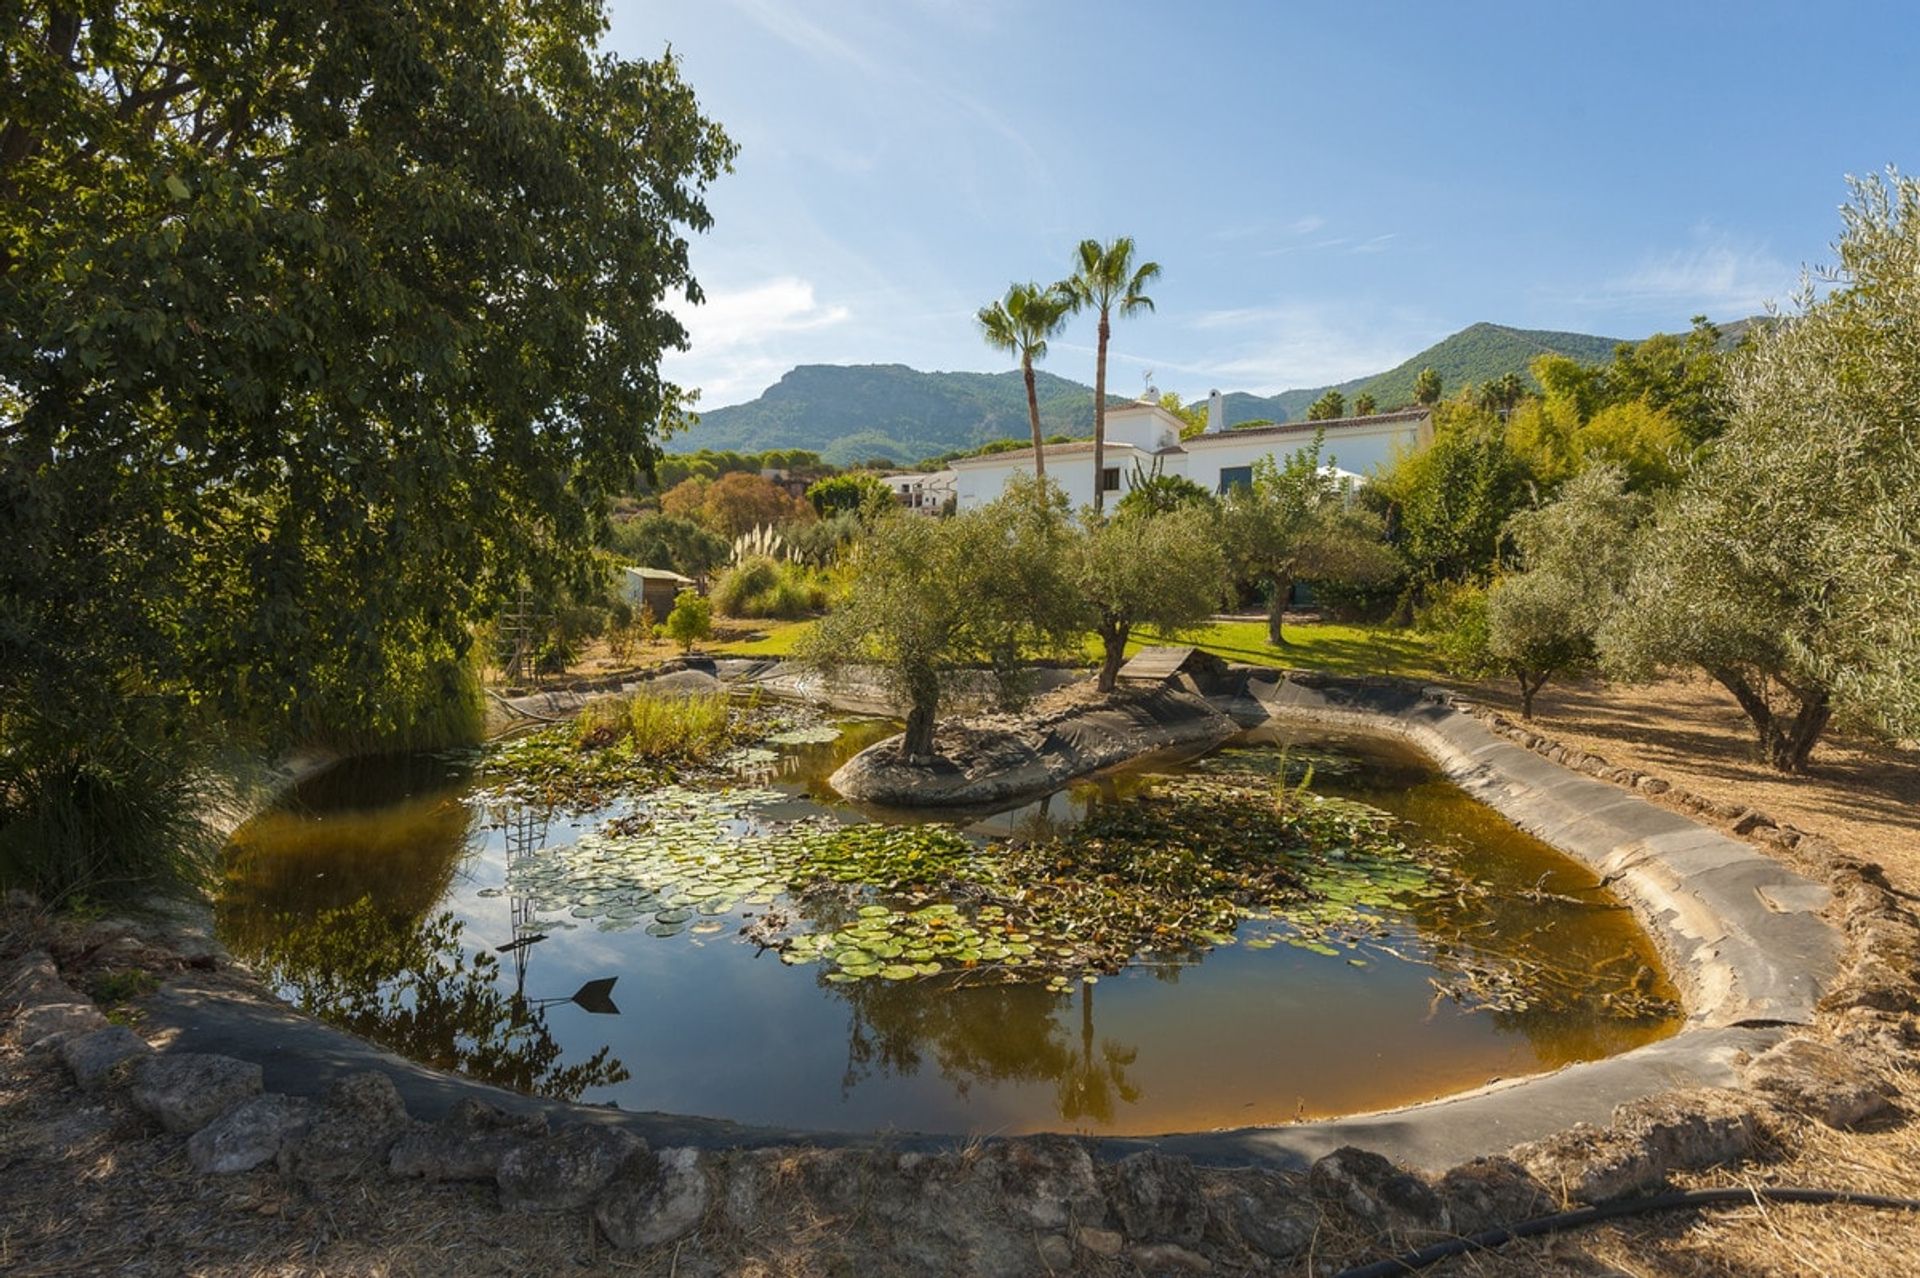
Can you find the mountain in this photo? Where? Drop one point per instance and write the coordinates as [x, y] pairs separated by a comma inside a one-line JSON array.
[[1475, 354], [853, 412]]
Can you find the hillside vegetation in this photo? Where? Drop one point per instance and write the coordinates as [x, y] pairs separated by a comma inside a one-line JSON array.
[[860, 412]]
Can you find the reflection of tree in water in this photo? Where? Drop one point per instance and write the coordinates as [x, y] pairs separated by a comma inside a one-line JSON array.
[[985, 1033], [412, 987]]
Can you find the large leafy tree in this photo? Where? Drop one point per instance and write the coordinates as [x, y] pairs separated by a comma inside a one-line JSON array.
[[1020, 324], [1787, 564], [320, 327], [1297, 521], [1448, 503], [1105, 280], [1162, 571]]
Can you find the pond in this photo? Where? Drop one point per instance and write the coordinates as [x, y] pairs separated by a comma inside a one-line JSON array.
[[653, 953]]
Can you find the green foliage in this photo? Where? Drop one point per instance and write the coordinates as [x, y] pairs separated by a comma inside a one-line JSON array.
[[849, 494], [1328, 407], [761, 587], [1154, 493], [691, 619], [1364, 404], [1020, 324], [673, 469], [666, 541], [1455, 623], [1296, 522], [1106, 281], [1449, 503], [658, 727], [1165, 571], [929, 596], [1427, 386], [1501, 394], [324, 327], [1787, 563], [1683, 377]]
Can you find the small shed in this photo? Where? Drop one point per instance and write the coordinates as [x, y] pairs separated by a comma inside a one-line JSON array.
[[653, 589], [1158, 665]]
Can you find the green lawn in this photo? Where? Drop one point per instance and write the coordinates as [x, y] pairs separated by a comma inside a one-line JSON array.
[[1337, 649]]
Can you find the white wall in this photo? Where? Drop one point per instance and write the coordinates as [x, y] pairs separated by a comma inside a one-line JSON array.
[[978, 482], [1358, 449]]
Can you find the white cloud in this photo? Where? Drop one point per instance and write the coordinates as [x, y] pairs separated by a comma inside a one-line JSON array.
[[734, 334], [1716, 275]]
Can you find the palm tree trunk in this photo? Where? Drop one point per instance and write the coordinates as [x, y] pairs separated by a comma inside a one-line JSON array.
[[1033, 418], [1100, 416]]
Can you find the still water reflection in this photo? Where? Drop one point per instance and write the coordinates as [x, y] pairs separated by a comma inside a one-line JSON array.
[[377, 896]]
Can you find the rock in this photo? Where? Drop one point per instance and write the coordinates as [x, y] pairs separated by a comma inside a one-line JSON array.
[[1488, 1193], [1818, 1079], [1749, 821], [23, 901], [1105, 1243], [655, 1202], [1055, 1251], [1689, 1130], [362, 1117], [1271, 1214], [187, 1090], [1047, 1181], [568, 1168], [250, 1134], [1169, 1258], [467, 1145], [92, 1058], [1375, 1192], [29, 976], [1591, 1164], [1157, 1198], [45, 1025]]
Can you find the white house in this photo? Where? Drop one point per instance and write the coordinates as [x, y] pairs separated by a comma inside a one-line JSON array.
[[1146, 434], [924, 492]]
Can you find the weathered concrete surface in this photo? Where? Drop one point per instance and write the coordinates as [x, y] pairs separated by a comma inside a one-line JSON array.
[[1002, 759]]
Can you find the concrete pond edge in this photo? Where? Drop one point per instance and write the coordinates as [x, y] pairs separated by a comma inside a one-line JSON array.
[[1801, 991]]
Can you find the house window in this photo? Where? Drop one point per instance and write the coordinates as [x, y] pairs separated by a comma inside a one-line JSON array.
[[1110, 479], [1232, 477]]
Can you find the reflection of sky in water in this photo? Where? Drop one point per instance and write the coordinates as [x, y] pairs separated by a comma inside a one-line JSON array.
[[707, 1026]]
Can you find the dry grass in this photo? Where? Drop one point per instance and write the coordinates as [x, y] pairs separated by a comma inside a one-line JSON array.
[[1862, 795]]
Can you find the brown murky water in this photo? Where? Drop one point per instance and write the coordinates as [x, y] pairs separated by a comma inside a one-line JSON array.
[[376, 895]]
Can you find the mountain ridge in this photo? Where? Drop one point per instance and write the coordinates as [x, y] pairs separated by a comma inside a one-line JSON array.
[[861, 412]]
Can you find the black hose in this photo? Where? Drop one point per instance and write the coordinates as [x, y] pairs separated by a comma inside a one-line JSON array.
[[1412, 1260]]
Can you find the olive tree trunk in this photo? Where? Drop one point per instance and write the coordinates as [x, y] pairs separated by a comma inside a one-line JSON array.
[[1113, 641], [1787, 737], [923, 700], [1277, 608]]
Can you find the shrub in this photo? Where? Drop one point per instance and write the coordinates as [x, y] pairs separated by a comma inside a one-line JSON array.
[[691, 619], [652, 725], [760, 587]]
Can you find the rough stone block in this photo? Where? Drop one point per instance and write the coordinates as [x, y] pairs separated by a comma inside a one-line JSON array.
[[1157, 1198], [1375, 1192], [567, 1169], [656, 1204], [249, 1135], [361, 1119], [1592, 1165], [187, 1090], [1488, 1193], [92, 1058], [467, 1145], [1690, 1130], [1820, 1080], [45, 1025], [1169, 1258]]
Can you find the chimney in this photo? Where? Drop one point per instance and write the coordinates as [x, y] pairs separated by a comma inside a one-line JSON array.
[[1216, 413]]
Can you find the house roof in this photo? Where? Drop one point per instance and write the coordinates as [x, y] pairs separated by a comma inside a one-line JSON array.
[[657, 574], [1333, 426]]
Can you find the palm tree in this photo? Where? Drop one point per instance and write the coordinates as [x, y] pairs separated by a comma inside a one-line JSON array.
[[1105, 279], [1020, 325]]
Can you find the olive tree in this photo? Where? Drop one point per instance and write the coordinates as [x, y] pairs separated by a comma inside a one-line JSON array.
[[1164, 571], [1572, 559], [1787, 564], [1297, 521], [927, 597]]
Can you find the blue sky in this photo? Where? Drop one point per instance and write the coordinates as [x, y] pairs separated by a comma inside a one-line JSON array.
[[1328, 187]]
